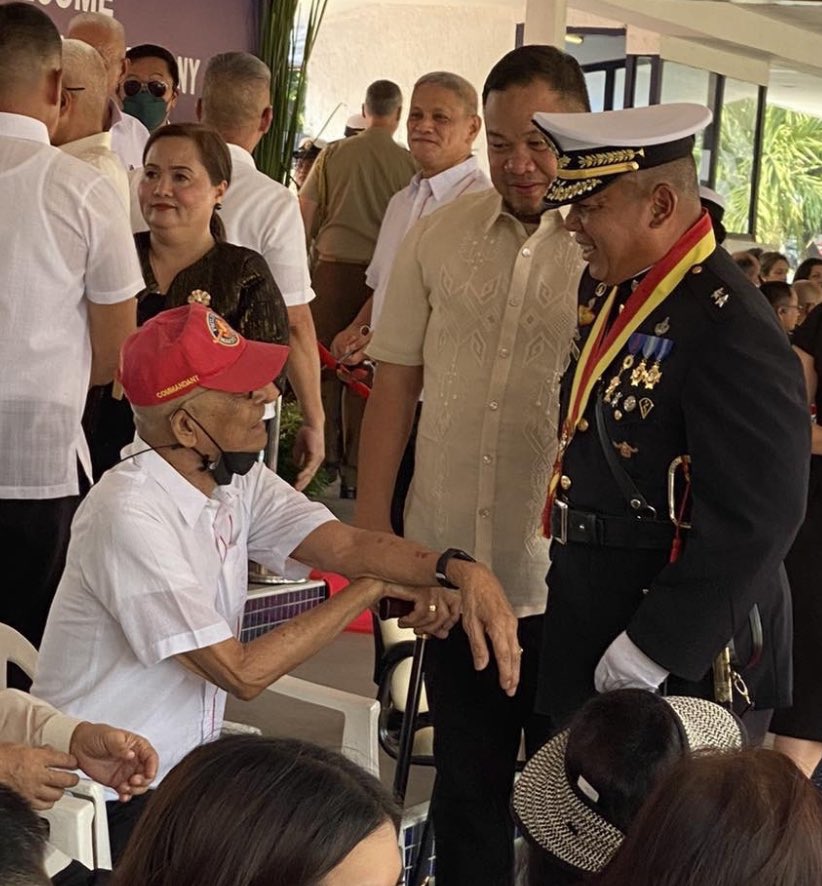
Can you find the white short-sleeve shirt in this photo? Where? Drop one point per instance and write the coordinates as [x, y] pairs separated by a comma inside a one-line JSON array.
[[66, 243], [419, 199], [128, 137], [263, 215], [156, 568]]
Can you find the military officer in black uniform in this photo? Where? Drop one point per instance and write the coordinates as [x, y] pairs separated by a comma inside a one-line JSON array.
[[685, 436]]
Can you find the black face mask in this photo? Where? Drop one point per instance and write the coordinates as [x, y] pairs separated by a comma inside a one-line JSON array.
[[227, 464]]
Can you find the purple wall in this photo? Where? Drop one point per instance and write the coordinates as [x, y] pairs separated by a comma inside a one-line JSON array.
[[193, 30]]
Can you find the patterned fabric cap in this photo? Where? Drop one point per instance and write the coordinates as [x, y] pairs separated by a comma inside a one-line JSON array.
[[561, 817]]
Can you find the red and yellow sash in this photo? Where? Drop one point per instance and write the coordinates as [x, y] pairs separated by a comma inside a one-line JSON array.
[[603, 344]]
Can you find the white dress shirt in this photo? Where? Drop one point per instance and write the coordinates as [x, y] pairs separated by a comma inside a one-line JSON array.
[[65, 244], [263, 215], [420, 198], [128, 137], [96, 151], [156, 568]]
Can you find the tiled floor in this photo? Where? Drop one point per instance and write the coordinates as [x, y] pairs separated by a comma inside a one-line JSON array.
[[346, 664]]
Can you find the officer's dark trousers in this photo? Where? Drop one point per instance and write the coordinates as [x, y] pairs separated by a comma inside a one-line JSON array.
[[34, 536], [477, 730]]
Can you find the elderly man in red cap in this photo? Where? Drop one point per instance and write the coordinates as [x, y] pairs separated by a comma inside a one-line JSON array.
[[144, 626]]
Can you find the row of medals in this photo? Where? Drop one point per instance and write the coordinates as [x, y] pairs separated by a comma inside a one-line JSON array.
[[641, 376]]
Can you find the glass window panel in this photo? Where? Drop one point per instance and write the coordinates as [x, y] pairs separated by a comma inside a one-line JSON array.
[[734, 162], [789, 206], [595, 81], [642, 89], [682, 83], [619, 89]]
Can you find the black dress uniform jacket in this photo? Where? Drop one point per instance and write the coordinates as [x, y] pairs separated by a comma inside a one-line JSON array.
[[731, 396]]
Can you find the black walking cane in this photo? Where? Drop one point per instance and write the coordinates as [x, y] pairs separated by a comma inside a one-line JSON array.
[[405, 748]]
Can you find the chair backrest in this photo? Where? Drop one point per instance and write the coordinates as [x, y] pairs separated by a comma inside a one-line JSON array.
[[78, 819], [15, 648]]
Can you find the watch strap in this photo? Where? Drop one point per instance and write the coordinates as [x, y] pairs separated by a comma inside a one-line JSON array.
[[442, 566]]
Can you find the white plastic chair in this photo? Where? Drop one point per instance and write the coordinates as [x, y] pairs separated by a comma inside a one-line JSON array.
[[78, 825], [15, 648], [360, 741]]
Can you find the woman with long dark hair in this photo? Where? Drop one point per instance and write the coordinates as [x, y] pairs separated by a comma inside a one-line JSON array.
[[251, 811], [748, 818]]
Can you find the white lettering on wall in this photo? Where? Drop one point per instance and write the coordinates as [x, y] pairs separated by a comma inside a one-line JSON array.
[[188, 74], [103, 6]]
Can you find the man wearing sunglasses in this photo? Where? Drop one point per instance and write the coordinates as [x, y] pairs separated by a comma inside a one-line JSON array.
[[106, 35], [152, 83]]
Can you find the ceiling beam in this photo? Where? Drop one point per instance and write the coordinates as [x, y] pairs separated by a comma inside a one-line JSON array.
[[739, 66], [707, 19]]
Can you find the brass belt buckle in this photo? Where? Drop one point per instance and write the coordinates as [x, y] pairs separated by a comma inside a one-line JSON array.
[[563, 521]]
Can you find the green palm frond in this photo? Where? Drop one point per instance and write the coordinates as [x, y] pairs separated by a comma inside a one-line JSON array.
[[279, 44], [789, 211]]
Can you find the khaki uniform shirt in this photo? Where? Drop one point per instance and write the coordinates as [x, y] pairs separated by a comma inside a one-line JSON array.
[[351, 182], [489, 312]]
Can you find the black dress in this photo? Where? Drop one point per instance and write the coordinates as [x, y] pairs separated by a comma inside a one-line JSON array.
[[242, 291], [804, 566]]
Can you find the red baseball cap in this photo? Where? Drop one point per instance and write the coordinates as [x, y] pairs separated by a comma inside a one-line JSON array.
[[190, 347]]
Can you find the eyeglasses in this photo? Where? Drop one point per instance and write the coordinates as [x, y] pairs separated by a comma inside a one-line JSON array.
[[155, 87]]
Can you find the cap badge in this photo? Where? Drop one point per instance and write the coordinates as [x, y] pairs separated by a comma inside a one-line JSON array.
[[220, 331]]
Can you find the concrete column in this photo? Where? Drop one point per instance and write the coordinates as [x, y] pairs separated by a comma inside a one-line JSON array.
[[545, 22]]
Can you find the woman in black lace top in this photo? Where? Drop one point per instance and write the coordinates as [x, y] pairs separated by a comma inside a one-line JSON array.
[[187, 170]]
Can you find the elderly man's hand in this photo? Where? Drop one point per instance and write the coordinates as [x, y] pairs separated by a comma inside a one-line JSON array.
[[38, 774], [436, 610], [486, 611], [114, 757]]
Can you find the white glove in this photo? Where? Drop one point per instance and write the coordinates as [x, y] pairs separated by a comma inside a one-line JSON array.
[[625, 666]]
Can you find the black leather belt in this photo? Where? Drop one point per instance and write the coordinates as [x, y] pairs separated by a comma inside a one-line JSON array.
[[570, 526]]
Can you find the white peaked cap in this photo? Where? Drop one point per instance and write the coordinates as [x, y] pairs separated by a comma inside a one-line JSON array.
[[593, 148]]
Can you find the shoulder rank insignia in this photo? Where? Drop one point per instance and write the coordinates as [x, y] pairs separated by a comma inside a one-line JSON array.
[[720, 296]]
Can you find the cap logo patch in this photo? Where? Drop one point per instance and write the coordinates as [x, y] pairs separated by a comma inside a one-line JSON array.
[[220, 331]]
